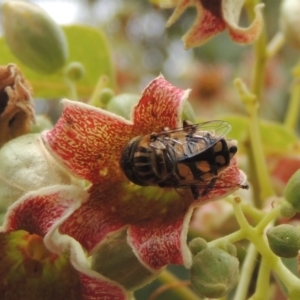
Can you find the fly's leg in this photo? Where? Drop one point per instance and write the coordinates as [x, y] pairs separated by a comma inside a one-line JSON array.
[[209, 187], [195, 189]]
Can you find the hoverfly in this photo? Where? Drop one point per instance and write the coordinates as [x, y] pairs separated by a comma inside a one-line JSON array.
[[188, 157]]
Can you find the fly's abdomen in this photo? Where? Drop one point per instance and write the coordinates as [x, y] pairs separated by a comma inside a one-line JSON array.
[[144, 165]]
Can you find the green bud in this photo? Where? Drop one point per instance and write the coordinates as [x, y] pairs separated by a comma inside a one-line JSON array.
[[292, 191], [196, 245], [229, 248], [34, 37], [284, 240], [115, 260], [74, 71], [42, 123], [290, 21], [188, 112], [287, 210], [214, 273], [105, 95], [123, 104]]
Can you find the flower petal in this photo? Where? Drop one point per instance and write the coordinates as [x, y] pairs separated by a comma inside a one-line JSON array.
[[227, 182], [208, 23], [92, 289], [161, 242], [88, 140], [160, 106], [94, 220], [37, 212], [238, 34]]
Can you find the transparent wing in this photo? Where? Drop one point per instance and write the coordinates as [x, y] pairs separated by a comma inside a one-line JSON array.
[[215, 127], [192, 139]]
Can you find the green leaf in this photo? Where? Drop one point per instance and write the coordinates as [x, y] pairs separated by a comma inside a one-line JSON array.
[[275, 137], [88, 46]]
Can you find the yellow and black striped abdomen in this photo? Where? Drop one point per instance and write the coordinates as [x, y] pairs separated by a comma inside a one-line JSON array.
[[145, 165]]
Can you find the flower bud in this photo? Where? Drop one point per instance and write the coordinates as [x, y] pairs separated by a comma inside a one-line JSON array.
[[197, 245], [214, 273], [290, 21], [42, 123], [122, 265], [105, 95], [74, 71], [284, 240], [292, 191], [123, 104], [34, 37], [229, 248], [287, 210], [26, 165]]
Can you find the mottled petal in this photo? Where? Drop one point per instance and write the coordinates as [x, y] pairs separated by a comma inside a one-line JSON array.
[[94, 220], [94, 286], [181, 6], [37, 212], [160, 106], [207, 24], [88, 141], [94, 289], [239, 34], [161, 242], [228, 182]]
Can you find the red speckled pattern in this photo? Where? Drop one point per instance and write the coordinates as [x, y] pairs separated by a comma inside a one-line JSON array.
[[37, 212], [158, 243], [249, 34], [81, 141], [94, 289], [94, 220], [205, 27], [159, 107], [209, 21], [89, 141]]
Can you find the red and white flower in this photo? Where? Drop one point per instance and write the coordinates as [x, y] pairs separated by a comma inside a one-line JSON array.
[[88, 142]]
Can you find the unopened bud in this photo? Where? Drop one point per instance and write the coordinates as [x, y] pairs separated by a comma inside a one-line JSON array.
[[197, 245], [123, 104], [26, 165], [105, 95], [34, 37], [122, 265], [292, 191], [74, 71], [284, 240], [290, 21], [287, 210], [214, 273]]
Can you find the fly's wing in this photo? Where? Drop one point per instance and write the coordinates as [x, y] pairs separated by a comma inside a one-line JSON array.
[[192, 139]]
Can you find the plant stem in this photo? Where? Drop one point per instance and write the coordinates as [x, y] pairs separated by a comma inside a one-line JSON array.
[[275, 44], [95, 98], [260, 52], [292, 114], [247, 268], [262, 290], [262, 175], [255, 235], [181, 291]]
